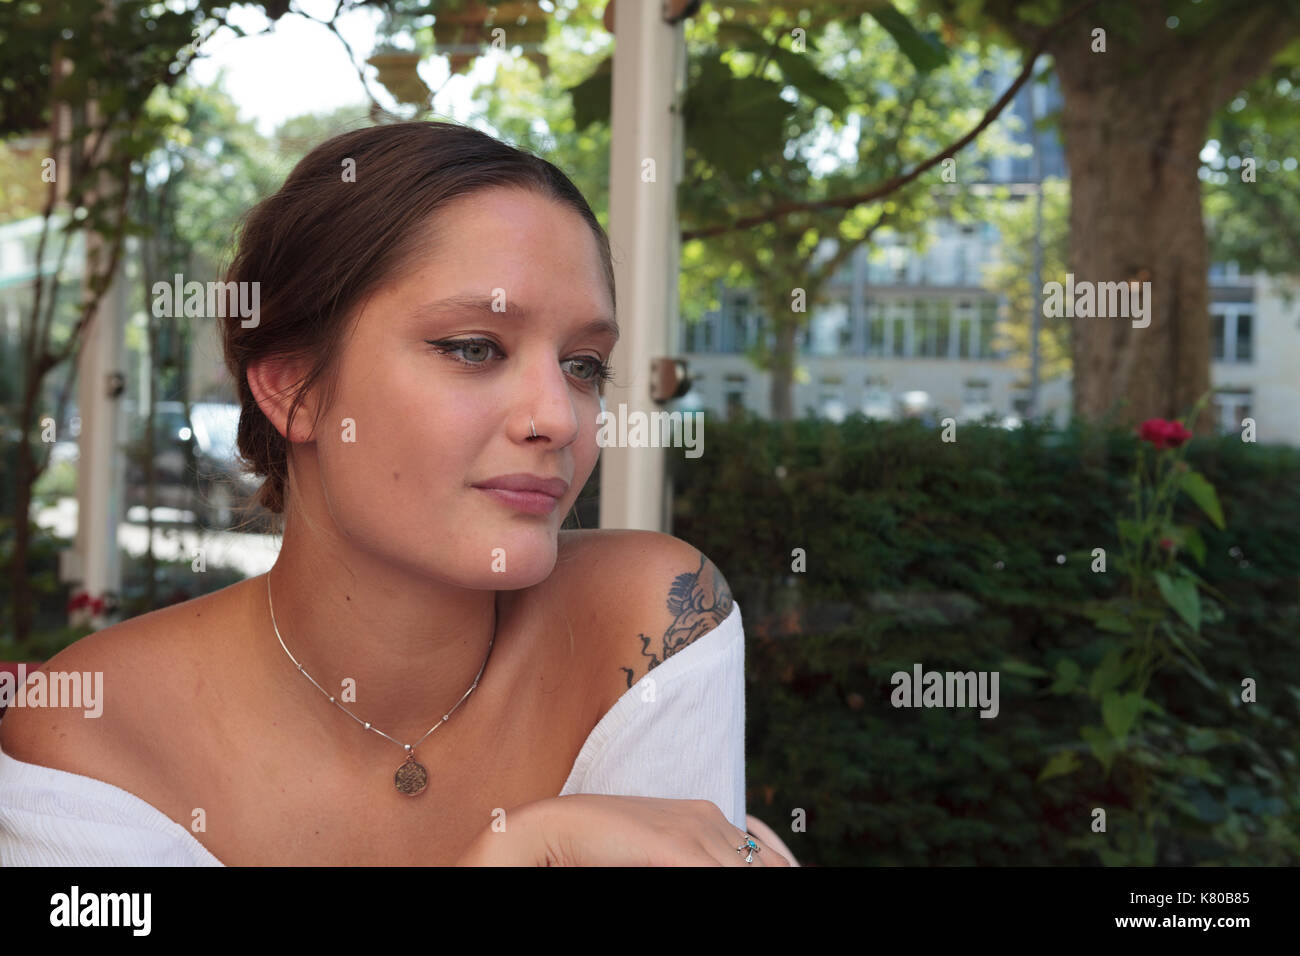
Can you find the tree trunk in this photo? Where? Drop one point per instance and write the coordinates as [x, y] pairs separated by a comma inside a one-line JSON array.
[[20, 583], [1135, 214], [1134, 121]]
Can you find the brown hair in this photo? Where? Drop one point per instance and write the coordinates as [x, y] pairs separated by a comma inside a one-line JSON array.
[[321, 243]]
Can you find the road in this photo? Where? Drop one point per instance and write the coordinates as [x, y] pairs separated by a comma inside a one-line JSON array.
[[251, 554]]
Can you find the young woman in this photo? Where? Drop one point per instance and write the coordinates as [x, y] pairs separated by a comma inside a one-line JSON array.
[[433, 672]]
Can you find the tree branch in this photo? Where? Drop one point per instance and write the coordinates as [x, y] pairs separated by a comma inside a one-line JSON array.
[[897, 182], [1254, 48]]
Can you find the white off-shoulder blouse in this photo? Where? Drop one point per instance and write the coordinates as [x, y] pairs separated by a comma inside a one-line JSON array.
[[682, 737]]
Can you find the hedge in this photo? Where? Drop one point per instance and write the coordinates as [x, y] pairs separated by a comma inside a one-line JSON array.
[[949, 554]]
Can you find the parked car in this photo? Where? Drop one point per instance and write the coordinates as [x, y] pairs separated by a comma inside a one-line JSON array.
[[224, 487], [196, 463]]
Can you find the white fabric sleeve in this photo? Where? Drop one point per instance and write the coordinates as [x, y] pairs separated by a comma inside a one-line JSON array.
[[679, 732]]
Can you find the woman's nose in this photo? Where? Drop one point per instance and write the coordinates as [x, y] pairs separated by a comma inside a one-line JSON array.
[[549, 404]]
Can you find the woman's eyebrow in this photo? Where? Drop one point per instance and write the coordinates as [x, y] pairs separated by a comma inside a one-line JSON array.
[[470, 302]]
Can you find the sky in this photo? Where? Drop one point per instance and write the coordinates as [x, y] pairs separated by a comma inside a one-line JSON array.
[[301, 67]]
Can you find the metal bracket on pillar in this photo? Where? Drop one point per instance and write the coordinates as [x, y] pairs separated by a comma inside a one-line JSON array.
[[669, 379], [674, 11]]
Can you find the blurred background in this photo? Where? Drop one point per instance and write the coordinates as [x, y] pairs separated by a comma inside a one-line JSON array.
[[910, 456]]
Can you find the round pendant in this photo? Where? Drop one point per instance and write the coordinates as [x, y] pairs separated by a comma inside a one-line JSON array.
[[411, 777]]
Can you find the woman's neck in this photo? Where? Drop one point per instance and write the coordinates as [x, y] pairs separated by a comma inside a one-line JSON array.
[[409, 647]]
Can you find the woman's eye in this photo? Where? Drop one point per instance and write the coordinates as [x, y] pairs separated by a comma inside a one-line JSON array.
[[589, 369], [467, 349]]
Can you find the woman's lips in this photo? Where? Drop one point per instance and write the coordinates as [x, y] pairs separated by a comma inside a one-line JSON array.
[[530, 502]]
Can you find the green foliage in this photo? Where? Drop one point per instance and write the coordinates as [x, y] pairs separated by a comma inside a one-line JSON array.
[[947, 554], [50, 596], [1254, 222], [50, 634]]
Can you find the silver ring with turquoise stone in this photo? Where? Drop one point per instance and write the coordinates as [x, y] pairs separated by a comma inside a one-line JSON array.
[[750, 846]]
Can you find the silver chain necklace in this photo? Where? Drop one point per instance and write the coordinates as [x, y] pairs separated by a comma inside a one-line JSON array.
[[411, 777]]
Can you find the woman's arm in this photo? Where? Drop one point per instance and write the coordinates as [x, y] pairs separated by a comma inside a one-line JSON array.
[[605, 830], [521, 843]]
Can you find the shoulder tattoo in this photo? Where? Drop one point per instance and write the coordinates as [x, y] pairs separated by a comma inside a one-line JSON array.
[[698, 603]]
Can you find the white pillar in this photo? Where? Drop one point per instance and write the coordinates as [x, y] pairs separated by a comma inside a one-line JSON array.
[[100, 465], [649, 60]]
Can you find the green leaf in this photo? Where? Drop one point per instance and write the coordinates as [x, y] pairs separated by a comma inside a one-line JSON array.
[[1182, 596], [1024, 670], [591, 97], [740, 36], [1203, 493], [923, 49], [1111, 619], [1119, 711], [397, 71], [1067, 676], [1110, 673], [1101, 744], [1191, 540], [800, 73], [735, 123], [1067, 761], [1174, 638]]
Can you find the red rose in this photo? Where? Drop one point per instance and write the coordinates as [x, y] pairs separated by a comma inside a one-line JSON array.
[[1163, 433], [1167, 544]]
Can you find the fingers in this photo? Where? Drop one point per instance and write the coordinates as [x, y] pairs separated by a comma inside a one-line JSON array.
[[725, 845], [759, 855]]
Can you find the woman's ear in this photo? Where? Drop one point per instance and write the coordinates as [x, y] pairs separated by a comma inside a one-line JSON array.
[[273, 382]]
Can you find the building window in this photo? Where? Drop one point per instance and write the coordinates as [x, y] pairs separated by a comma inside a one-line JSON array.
[[976, 391], [830, 403], [933, 318], [987, 324], [877, 402], [697, 391], [1234, 405], [830, 331], [942, 315], [922, 330], [1233, 332], [964, 324], [738, 333], [736, 336], [900, 329], [735, 395], [875, 328], [1245, 337]]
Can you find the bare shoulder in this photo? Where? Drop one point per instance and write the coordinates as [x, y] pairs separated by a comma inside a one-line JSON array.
[[661, 595], [132, 667]]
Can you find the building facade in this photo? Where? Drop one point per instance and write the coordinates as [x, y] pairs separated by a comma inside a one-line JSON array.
[[908, 334]]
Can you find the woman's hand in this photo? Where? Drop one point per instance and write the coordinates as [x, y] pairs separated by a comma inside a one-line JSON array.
[[596, 830]]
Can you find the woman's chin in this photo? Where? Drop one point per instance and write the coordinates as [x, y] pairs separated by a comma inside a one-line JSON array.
[[511, 568]]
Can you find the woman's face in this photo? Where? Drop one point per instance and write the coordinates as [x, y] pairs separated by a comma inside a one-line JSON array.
[[412, 429]]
